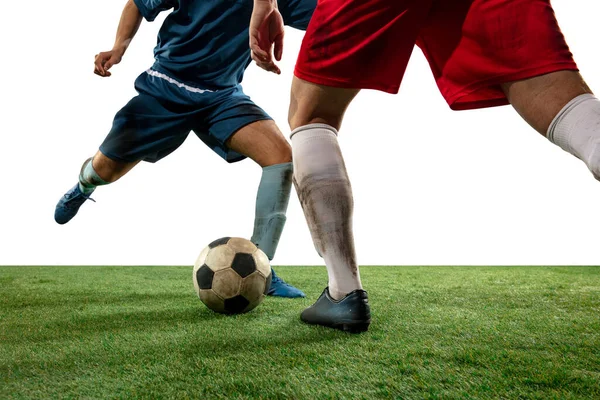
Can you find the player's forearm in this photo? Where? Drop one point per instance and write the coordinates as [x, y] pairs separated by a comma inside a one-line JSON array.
[[128, 26]]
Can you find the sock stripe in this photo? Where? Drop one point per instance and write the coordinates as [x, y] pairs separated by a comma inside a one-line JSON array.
[[314, 126]]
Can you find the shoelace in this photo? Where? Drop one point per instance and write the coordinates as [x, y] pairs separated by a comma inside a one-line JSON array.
[[70, 199]]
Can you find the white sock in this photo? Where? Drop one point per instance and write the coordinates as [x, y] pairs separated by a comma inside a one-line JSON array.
[[576, 129], [326, 196], [89, 178]]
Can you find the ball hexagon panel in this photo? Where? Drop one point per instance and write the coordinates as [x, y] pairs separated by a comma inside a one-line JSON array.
[[253, 288], [226, 283], [243, 264], [236, 304], [218, 242], [219, 258], [204, 277], [202, 257], [211, 300], [262, 262], [240, 245]]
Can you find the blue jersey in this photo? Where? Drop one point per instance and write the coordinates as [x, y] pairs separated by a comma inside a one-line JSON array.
[[205, 42]]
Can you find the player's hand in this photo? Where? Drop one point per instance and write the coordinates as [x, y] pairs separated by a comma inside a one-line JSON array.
[[105, 60], [266, 35]]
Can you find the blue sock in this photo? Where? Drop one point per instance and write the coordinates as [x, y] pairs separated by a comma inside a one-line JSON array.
[[88, 178], [272, 201]]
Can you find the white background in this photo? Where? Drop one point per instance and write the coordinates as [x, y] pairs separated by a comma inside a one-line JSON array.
[[431, 186]]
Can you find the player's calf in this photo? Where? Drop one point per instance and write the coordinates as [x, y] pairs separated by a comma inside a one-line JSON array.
[[325, 193], [272, 200]]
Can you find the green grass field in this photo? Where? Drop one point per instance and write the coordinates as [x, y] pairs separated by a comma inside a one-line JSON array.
[[437, 332]]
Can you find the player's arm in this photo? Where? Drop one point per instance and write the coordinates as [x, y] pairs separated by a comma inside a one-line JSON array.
[[266, 34], [131, 18]]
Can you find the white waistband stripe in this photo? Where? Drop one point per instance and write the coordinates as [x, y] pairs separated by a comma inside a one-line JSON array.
[[177, 83]]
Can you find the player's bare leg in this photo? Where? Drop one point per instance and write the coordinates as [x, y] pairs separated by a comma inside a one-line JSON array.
[[323, 186], [561, 107], [95, 171], [264, 143], [110, 170]]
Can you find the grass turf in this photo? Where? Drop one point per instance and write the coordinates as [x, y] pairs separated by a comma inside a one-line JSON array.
[[437, 332]]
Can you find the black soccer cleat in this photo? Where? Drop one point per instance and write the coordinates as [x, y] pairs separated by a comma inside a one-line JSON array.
[[351, 314]]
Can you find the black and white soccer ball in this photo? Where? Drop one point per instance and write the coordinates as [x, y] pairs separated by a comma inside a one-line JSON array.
[[232, 275]]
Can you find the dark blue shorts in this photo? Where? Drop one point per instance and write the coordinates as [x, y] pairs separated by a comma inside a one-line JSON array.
[[158, 120]]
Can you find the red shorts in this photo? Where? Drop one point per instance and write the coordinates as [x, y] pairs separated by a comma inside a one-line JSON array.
[[472, 45]]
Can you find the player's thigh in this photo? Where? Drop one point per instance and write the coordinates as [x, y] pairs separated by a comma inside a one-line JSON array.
[[146, 129], [235, 127], [263, 142], [313, 103]]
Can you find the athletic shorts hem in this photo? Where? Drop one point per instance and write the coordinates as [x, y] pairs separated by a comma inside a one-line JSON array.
[[345, 84], [453, 100], [114, 157], [238, 156]]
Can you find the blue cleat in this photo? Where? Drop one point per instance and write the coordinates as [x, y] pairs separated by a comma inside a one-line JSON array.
[[69, 204], [279, 288]]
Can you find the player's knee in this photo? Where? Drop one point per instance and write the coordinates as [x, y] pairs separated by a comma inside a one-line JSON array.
[[303, 112], [306, 109], [286, 155], [317, 104], [281, 156], [297, 120]]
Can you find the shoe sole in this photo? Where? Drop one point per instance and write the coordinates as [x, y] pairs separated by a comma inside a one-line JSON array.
[[346, 326], [353, 327]]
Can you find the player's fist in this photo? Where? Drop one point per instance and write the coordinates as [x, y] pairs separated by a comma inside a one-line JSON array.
[[105, 60]]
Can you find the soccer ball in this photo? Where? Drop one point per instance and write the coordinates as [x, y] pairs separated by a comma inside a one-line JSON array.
[[232, 275]]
